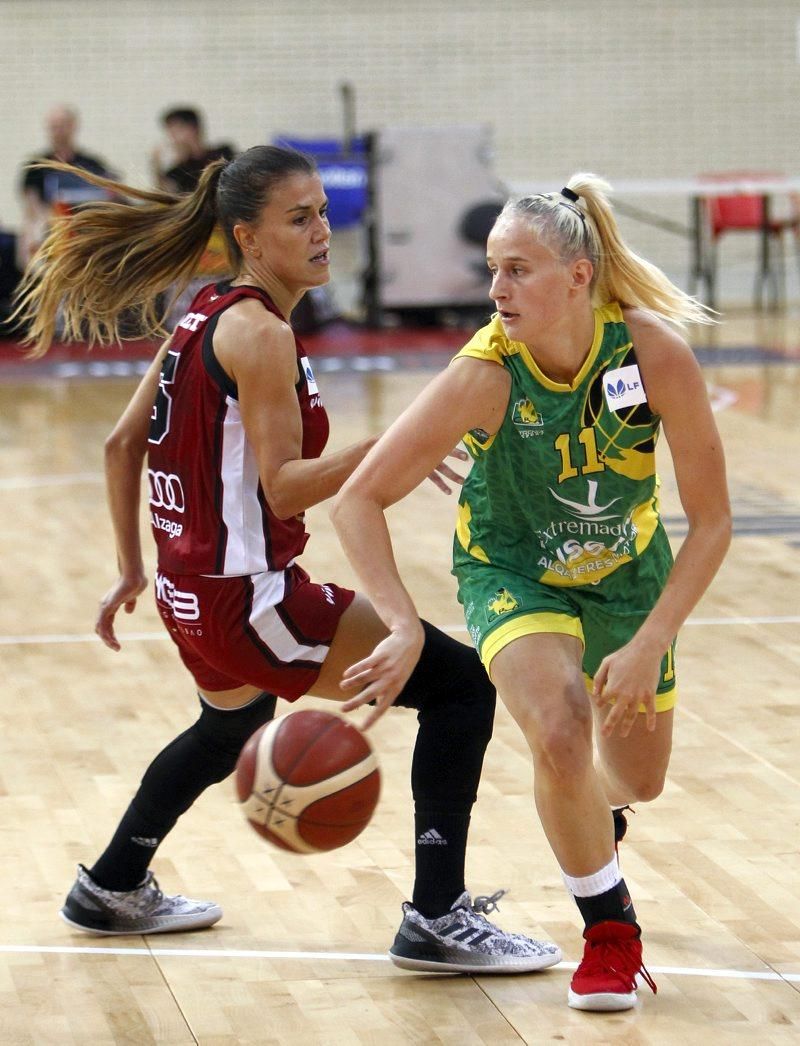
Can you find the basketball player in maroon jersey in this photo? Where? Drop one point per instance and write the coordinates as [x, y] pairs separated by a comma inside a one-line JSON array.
[[230, 420]]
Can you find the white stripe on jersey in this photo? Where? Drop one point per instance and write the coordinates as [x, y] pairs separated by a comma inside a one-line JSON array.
[[268, 589], [245, 552]]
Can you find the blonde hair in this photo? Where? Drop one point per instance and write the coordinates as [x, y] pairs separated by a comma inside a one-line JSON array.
[[111, 258], [581, 224]]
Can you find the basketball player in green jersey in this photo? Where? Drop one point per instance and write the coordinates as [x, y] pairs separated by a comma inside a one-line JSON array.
[[569, 589]]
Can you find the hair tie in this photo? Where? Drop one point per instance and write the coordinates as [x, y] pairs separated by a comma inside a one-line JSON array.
[[570, 195]]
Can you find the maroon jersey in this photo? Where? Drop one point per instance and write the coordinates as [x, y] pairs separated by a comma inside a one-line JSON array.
[[207, 506]]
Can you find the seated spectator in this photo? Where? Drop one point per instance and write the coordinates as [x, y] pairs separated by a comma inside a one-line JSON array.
[[46, 193], [9, 278], [190, 152]]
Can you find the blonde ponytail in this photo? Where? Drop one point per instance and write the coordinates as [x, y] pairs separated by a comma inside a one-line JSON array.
[[581, 223]]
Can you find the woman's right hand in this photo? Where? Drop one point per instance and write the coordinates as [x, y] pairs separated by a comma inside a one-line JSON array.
[[444, 477], [381, 676], [124, 593]]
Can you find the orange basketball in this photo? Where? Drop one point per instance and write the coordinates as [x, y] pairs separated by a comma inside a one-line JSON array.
[[308, 781]]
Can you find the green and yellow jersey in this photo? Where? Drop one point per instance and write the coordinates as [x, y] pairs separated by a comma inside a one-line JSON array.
[[566, 491]]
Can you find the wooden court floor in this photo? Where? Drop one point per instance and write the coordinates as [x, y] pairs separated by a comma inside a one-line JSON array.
[[714, 864]]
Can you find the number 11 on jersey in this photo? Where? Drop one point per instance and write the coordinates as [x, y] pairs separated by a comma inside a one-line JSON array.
[[592, 462]]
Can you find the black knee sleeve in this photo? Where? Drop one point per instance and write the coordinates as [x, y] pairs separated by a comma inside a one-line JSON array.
[[203, 755], [449, 678], [455, 703], [227, 729]]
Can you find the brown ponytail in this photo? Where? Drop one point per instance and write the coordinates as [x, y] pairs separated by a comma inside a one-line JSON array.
[[112, 257]]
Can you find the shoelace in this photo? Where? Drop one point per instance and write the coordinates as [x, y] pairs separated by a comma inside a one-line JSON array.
[[621, 822], [601, 959], [485, 905], [651, 984], [151, 893]]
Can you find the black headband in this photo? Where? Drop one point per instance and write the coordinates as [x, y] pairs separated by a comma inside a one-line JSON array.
[[573, 198], [568, 195]]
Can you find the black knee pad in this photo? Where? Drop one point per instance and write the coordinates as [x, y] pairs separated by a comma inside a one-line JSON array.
[[449, 679], [227, 729], [455, 704], [203, 755]]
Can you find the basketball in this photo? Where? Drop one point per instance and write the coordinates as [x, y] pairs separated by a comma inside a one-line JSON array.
[[308, 781]]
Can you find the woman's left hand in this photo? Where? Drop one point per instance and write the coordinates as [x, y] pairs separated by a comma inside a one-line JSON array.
[[381, 676], [123, 593], [624, 681], [443, 476]]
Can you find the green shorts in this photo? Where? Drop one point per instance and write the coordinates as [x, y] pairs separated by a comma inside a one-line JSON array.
[[501, 606]]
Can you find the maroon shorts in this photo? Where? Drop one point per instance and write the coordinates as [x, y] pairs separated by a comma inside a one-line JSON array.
[[270, 630]]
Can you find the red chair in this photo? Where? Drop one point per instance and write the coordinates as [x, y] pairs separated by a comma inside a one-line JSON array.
[[745, 212]]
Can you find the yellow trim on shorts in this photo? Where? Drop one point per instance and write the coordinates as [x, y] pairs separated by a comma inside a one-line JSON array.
[[527, 625], [664, 702]]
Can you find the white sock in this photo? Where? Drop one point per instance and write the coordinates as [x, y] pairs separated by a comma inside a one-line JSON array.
[[597, 883]]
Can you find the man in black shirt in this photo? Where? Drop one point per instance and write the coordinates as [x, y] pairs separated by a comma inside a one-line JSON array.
[[45, 193], [190, 153], [177, 169]]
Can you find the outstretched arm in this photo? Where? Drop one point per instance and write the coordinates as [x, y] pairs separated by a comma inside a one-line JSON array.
[[468, 394]]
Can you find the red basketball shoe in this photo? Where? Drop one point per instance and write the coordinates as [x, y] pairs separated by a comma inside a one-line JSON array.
[[606, 976]]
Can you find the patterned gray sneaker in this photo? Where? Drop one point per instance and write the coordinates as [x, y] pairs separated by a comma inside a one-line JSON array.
[[464, 941], [146, 909]]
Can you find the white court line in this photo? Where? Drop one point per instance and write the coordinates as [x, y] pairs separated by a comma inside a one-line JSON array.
[[195, 953], [139, 637], [65, 480], [80, 637], [788, 619], [211, 953]]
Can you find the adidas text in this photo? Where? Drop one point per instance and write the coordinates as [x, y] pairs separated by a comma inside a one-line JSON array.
[[431, 838]]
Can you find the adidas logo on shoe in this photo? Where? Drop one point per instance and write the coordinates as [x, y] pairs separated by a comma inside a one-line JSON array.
[[431, 838]]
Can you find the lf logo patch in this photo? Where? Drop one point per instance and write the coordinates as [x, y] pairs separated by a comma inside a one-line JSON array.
[[309, 375], [623, 387]]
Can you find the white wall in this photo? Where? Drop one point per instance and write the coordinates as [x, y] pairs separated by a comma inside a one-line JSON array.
[[629, 89]]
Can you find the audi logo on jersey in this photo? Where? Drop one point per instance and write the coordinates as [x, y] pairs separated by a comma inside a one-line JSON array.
[[166, 491]]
